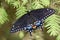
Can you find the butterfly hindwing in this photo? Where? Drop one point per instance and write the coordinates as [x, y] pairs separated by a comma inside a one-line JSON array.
[[19, 24], [23, 22]]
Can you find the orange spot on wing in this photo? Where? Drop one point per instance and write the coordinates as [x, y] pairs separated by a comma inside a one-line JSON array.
[[34, 27]]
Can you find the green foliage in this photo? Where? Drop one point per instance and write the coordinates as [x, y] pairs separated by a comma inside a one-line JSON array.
[[22, 6], [20, 11], [24, 2], [53, 25], [45, 2], [10, 1], [21, 34], [58, 37], [14, 3], [36, 4], [3, 16]]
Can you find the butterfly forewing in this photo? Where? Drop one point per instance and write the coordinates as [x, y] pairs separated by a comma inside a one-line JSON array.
[[41, 13]]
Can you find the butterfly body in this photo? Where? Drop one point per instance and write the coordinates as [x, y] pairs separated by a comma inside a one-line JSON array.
[[32, 20]]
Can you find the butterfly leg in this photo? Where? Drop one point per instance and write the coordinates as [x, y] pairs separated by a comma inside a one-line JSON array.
[[42, 21], [30, 33], [41, 28]]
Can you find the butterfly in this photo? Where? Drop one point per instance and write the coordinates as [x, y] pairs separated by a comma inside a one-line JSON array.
[[32, 20]]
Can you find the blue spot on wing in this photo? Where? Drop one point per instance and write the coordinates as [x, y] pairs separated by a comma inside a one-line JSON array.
[[38, 23]]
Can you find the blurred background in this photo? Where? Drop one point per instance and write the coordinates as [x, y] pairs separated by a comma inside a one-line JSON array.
[[11, 10]]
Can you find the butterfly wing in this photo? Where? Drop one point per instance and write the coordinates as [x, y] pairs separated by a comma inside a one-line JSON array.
[[20, 23], [42, 13], [30, 18]]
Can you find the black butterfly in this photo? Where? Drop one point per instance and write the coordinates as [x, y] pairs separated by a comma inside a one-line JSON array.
[[32, 20]]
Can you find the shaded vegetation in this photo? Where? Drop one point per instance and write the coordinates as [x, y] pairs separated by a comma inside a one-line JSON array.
[[11, 10]]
